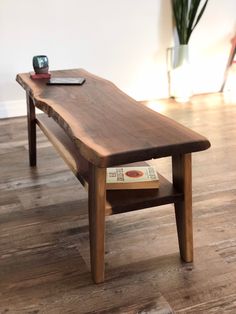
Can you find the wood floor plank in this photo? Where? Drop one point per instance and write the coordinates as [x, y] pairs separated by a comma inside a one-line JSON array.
[[44, 235]]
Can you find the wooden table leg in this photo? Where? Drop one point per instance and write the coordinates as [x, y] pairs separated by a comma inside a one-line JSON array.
[[182, 181], [97, 199], [31, 131]]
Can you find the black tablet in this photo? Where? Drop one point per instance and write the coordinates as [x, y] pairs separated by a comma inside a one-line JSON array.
[[66, 81]]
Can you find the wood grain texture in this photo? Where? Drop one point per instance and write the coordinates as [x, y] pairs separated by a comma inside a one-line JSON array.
[[97, 201], [149, 305], [31, 131], [44, 234], [182, 181], [108, 127]]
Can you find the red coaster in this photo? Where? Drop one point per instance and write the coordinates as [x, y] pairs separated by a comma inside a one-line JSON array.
[[35, 76]]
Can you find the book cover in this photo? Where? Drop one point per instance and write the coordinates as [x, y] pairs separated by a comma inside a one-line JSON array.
[[121, 178]]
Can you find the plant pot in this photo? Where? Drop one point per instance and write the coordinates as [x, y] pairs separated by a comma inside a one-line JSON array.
[[181, 55], [180, 74]]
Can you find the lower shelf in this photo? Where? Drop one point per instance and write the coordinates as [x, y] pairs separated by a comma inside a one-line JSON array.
[[118, 201]]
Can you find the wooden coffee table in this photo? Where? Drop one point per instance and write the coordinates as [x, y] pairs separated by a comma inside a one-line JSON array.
[[95, 126]]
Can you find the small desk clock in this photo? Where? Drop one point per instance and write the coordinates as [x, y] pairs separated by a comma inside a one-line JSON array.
[[40, 64]]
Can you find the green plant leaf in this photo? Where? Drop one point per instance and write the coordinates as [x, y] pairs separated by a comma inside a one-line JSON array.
[[199, 16], [177, 15], [184, 13], [192, 13], [186, 17]]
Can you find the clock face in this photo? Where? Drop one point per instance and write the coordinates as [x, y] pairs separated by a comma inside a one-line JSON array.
[[42, 62]]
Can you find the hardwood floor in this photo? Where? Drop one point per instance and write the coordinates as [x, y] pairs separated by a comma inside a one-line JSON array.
[[44, 253]]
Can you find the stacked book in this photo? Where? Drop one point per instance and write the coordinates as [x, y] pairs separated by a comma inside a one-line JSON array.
[[121, 178]]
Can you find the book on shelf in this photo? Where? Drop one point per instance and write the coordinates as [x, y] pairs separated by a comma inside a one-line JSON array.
[[121, 178]]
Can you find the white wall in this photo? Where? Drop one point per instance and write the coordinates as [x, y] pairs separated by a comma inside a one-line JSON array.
[[122, 40]]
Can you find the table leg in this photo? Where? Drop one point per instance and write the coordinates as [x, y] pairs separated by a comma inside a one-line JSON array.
[[97, 200], [31, 131], [182, 181]]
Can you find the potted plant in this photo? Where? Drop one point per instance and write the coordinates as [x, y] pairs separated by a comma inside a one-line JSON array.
[[187, 14]]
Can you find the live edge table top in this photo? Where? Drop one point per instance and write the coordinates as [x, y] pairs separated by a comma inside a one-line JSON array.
[[108, 127]]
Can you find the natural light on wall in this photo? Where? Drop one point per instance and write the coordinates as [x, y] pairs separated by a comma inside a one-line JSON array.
[[150, 77], [230, 86], [150, 81], [208, 72]]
